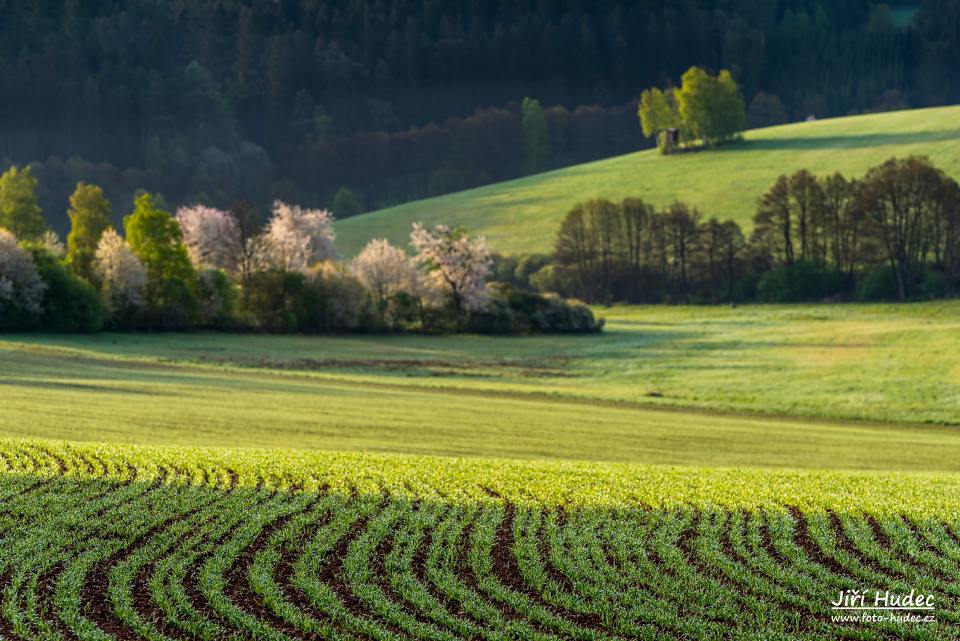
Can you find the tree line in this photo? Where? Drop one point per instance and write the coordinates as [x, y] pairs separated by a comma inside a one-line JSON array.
[[208, 100], [204, 267], [893, 234]]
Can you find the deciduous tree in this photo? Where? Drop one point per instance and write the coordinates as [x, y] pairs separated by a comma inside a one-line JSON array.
[[295, 238], [89, 214], [122, 276], [156, 239], [19, 211], [456, 264], [21, 288]]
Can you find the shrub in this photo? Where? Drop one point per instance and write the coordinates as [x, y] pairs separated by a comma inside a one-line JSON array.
[[345, 304], [217, 299], [514, 311], [555, 278], [403, 311], [802, 282], [346, 204], [21, 288], [881, 284], [282, 301], [123, 281], [70, 304]]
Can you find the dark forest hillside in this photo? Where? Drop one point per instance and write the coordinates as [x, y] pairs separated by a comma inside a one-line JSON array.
[[225, 99]]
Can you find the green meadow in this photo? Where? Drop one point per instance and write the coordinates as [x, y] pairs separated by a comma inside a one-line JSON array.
[[522, 216], [820, 386]]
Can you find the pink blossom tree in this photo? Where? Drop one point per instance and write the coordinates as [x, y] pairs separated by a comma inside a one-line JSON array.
[[20, 283], [122, 276], [297, 238], [456, 264], [212, 237], [386, 270]]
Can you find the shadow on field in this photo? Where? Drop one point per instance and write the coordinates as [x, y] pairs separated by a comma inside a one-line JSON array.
[[861, 141], [85, 387]]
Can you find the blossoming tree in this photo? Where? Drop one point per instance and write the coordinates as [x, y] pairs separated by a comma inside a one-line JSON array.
[[456, 264], [297, 238]]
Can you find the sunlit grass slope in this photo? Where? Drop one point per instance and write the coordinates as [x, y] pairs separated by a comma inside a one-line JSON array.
[[823, 386], [520, 216]]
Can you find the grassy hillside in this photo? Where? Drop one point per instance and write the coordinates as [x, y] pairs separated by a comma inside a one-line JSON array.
[[758, 386], [522, 215]]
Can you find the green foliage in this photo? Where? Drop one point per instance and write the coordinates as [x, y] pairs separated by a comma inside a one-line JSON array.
[[216, 300], [345, 304], [19, 210], [712, 108], [346, 204], [282, 302], [154, 236], [89, 214], [802, 282], [513, 311], [881, 285], [536, 146], [659, 112], [70, 303]]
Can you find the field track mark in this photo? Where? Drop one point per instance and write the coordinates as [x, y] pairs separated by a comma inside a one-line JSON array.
[[331, 380]]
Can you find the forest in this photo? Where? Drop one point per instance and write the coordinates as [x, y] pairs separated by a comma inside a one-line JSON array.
[[354, 105], [893, 234]]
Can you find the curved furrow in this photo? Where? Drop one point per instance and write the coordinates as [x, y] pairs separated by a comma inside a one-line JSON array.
[[632, 547], [905, 540], [577, 553], [578, 600], [874, 548], [755, 547], [267, 594], [407, 587], [50, 541], [221, 595], [936, 534], [171, 585], [115, 590], [103, 533], [448, 569], [828, 530], [318, 580], [365, 572], [494, 558]]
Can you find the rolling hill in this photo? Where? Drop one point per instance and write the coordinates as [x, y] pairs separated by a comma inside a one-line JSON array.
[[522, 216]]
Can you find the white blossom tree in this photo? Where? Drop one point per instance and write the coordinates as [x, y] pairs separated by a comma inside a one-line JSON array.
[[123, 277], [296, 238], [456, 264], [20, 283], [386, 270], [212, 237], [51, 243]]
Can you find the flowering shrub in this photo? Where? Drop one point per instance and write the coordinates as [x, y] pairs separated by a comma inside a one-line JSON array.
[[21, 288], [212, 236], [123, 277], [297, 238], [456, 265]]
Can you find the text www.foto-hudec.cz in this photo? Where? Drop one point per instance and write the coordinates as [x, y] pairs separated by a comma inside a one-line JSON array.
[[874, 606]]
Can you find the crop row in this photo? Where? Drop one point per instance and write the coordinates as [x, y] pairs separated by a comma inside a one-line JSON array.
[[101, 543]]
